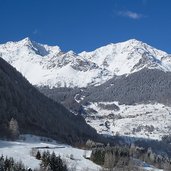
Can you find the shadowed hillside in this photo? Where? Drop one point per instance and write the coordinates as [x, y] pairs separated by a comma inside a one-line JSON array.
[[36, 113]]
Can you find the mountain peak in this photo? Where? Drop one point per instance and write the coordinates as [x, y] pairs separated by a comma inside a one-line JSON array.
[[115, 46], [126, 57], [38, 48], [133, 42], [26, 41]]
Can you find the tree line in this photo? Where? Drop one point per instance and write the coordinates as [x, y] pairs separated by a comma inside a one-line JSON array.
[[126, 157], [49, 162]]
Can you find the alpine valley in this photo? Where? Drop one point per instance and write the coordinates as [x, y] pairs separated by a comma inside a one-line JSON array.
[[120, 89]]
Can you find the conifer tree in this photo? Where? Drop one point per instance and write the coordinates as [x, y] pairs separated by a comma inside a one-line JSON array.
[[38, 155]]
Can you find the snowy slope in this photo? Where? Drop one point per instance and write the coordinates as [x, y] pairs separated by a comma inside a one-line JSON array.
[[141, 121], [21, 151], [48, 65], [127, 57]]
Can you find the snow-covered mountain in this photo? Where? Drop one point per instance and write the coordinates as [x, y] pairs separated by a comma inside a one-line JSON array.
[[48, 65], [128, 57], [45, 65]]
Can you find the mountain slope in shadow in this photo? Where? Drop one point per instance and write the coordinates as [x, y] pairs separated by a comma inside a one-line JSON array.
[[35, 113]]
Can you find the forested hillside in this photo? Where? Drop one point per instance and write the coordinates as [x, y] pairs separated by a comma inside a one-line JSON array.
[[35, 113]]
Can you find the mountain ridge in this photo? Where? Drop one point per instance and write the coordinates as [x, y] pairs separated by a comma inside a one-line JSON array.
[[45, 65]]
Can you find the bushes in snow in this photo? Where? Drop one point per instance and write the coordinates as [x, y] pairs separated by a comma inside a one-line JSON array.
[[8, 164]]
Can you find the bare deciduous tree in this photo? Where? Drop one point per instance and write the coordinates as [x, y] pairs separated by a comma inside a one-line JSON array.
[[14, 128]]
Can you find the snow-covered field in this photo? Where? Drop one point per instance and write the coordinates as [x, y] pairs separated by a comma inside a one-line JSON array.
[[21, 151], [140, 121]]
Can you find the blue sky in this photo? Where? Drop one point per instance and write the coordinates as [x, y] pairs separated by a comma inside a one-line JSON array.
[[86, 24]]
